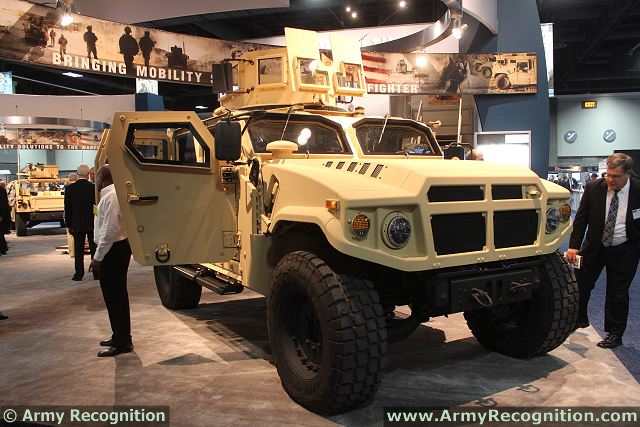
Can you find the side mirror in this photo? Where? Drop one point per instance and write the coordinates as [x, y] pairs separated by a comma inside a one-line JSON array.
[[222, 77], [228, 138]]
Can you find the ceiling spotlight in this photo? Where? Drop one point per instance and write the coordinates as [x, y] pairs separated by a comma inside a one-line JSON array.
[[200, 107], [402, 4], [72, 74], [348, 9], [354, 14], [421, 61], [458, 30], [66, 20]]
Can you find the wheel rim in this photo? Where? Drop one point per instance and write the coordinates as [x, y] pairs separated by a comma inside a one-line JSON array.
[[302, 334]]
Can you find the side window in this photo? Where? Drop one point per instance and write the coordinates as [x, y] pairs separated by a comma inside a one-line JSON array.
[[170, 144]]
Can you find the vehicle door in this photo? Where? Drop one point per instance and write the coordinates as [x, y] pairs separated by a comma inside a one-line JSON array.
[[174, 206]]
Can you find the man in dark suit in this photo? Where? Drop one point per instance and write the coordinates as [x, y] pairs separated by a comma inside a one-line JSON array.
[[610, 213], [79, 199], [5, 212]]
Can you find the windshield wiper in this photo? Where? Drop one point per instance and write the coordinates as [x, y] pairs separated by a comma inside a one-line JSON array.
[[384, 126]]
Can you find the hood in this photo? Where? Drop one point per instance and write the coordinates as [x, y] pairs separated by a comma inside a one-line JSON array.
[[395, 178]]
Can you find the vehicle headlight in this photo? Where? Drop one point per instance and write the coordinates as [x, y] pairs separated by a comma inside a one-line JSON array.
[[396, 230], [553, 219]]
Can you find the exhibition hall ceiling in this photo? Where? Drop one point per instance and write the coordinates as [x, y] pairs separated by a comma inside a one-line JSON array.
[[596, 42]]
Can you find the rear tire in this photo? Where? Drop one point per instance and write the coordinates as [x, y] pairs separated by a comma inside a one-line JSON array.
[[176, 291], [21, 225], [534, 327], [327, 334]]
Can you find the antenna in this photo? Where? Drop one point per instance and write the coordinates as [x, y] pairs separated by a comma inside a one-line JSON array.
[[291, 109]]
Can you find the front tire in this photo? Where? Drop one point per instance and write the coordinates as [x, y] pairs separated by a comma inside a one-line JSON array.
[[176, 291], [21, 225], [534, 327], [327, 333]]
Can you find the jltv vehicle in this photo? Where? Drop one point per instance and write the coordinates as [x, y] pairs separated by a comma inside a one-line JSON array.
[[338, 219], [36, 198]]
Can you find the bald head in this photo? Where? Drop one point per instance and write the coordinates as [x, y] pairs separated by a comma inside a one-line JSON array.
[[83, 172], [103, 177]]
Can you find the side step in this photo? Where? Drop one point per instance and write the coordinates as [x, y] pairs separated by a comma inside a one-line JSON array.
[[207, 279]]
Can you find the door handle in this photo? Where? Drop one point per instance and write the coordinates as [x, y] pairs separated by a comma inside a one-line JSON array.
[[136, 199]]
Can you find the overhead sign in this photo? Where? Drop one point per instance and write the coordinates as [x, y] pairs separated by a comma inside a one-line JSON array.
[[32, 33], [49, 139], [450, 73], [589, 104]]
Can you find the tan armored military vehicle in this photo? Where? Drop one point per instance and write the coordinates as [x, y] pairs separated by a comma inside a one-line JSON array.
[[36, 198], [338, 218]]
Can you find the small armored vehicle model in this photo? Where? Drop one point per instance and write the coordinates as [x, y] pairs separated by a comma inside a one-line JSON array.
[[36, 197], [338, 219]]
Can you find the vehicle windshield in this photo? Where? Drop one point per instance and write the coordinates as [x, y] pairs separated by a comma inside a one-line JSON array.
[[398, 138], [311, 136]]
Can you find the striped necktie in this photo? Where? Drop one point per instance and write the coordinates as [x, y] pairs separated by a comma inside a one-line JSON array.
[[610, 223]]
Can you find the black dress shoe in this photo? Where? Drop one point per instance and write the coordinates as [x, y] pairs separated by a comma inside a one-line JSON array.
[[611, 341], [114, 351], [3, 317], [76, 278], [107, 342]]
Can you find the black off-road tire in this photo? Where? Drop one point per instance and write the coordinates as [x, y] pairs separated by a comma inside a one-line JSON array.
[[21, 225], [534, 327], [503, 82], [176, 291], [345, 320]]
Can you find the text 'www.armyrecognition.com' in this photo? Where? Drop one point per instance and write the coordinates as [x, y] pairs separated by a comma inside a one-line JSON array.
[[85, 416], [624, 416]]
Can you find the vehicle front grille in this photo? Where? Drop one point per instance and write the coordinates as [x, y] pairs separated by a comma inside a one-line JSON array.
[[515, 228], [455, 193], [457, 233]]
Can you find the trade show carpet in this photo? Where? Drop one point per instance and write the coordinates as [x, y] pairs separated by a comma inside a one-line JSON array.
[[629, 354]]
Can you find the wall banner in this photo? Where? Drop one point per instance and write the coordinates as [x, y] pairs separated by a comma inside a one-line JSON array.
[[32, 33], [51, 139], [450, 73]]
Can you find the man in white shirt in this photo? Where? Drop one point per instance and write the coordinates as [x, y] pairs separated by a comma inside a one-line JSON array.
[[609, 212], [110, 263]]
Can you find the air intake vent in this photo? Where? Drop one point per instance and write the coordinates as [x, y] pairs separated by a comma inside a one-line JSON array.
[[458, 233], [377, 171], [515, 228], [328, 164], [340, 165], [506, 192], [364, 168], [352, 166], [456, 193]]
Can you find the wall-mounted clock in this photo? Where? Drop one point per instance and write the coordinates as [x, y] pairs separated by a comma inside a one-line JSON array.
[[570, 136], [609, 135]]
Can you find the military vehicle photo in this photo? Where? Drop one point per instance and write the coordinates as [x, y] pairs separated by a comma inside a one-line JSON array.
[[36, 196], [338, 219]]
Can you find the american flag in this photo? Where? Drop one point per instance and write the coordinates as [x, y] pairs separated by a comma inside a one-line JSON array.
[[375, 67]]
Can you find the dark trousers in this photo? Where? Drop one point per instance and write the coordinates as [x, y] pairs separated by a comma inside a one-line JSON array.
[[3, 243], [113, 282], [621, 262], [78, 249]]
